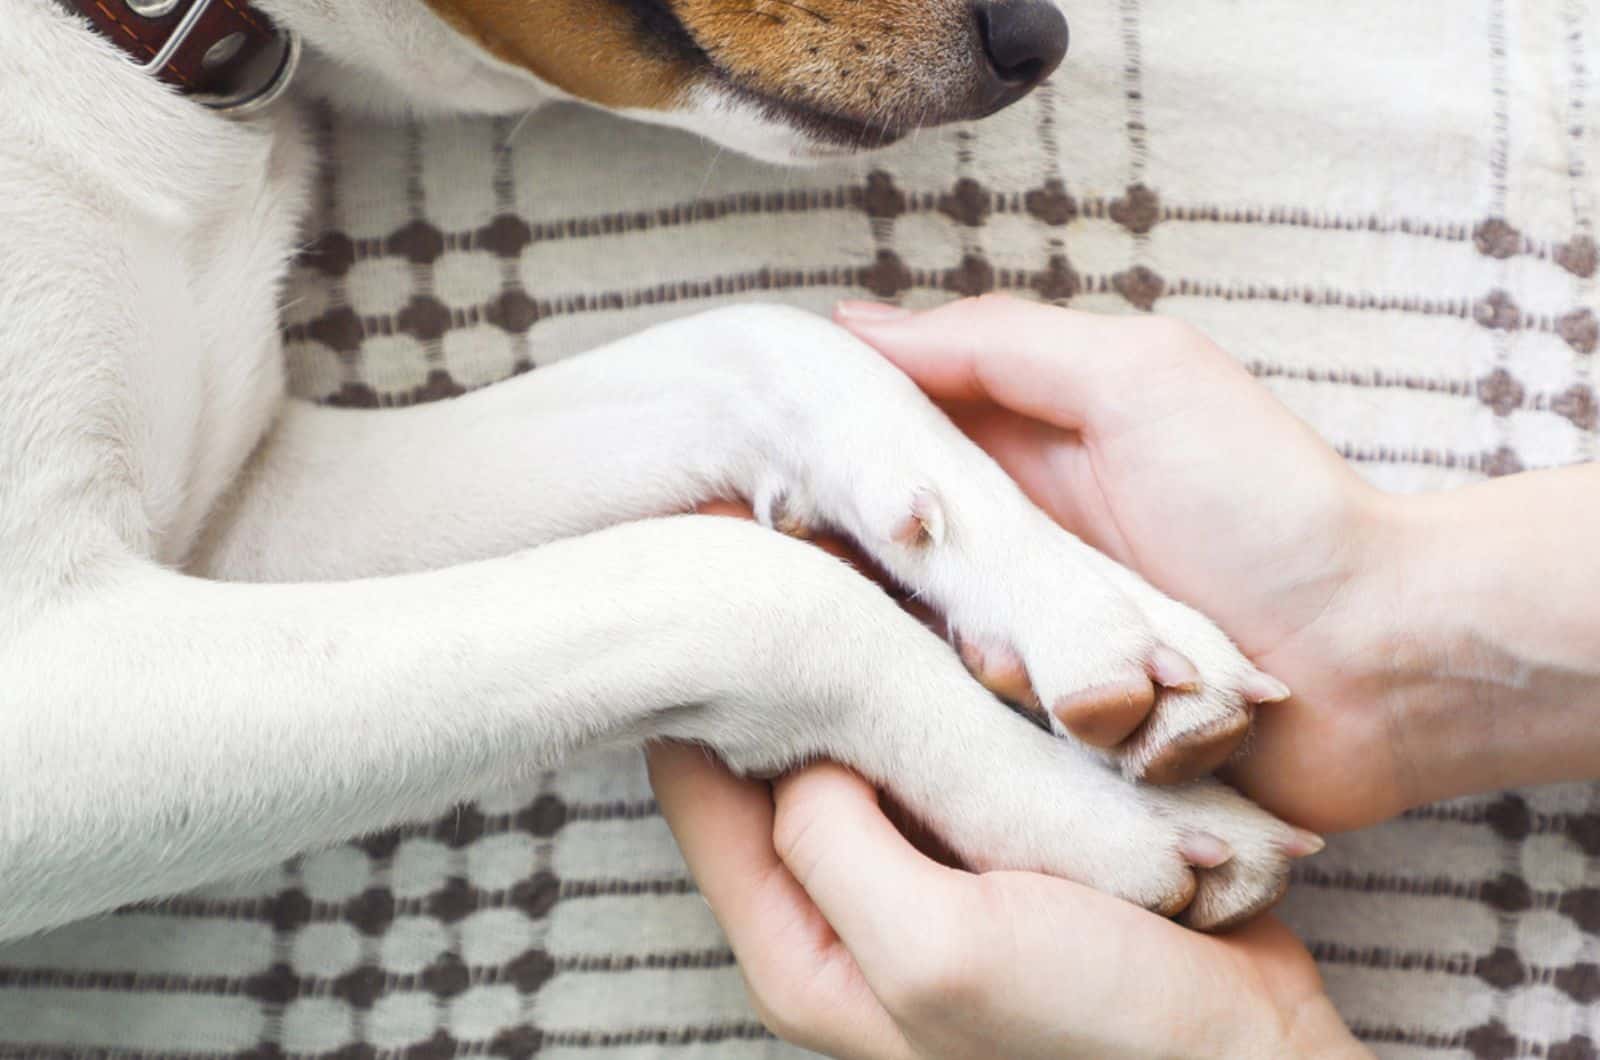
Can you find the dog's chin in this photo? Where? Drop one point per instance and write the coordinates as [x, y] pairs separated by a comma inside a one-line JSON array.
[[770, 130], [822, 133]]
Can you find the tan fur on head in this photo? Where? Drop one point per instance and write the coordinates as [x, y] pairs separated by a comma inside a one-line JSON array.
[[887, 64], [876, 61], [596, 50]]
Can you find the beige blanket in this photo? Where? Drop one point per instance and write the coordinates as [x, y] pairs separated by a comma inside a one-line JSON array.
[[1386, 209]]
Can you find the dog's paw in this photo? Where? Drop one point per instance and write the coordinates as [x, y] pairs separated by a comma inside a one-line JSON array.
[[1229, 859], [1047, 623], [1238, 854]]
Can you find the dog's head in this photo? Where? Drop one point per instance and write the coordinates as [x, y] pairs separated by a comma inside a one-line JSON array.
[[780, 79]]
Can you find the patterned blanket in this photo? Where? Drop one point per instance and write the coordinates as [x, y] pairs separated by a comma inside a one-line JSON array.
[[1386, 210]]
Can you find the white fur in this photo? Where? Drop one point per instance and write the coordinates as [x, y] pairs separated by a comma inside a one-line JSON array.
[[740, 126], [163, 725]]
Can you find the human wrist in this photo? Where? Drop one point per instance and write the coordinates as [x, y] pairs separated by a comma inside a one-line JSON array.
[[1475, 648]]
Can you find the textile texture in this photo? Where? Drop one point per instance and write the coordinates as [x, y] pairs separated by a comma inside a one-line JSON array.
[[1387, 211]]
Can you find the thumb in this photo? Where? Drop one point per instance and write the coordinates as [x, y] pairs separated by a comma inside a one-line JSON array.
[[877, 891], [1050, 364]]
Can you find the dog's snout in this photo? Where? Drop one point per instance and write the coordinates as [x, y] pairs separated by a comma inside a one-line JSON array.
[[1023, 42]]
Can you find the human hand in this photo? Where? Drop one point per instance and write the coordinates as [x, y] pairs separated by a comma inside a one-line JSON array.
[[855, 944], [1418, 633]]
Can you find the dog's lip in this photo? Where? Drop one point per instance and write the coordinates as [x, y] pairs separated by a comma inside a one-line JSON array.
[[830, 127]]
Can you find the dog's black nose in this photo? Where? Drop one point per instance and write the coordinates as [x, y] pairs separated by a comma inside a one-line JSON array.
[[1023, 42]]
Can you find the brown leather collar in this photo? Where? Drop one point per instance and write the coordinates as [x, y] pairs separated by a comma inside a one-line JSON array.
[[224, 52]]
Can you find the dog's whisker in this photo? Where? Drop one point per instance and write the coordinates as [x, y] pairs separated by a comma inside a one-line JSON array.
[[705, 182], [516, 127]]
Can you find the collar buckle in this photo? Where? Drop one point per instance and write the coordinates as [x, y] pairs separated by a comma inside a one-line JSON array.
[[264, 80], [225, 54]]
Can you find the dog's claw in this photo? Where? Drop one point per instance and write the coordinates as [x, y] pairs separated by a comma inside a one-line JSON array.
[[925, 524], [1305, 844], [1264, 688], [1205, 851], [773, 510], [1172, 670]]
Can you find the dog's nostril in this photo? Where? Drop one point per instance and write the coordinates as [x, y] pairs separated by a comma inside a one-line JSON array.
[[1023, 40]]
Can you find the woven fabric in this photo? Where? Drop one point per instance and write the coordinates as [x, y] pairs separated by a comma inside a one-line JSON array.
[[1386, 210]]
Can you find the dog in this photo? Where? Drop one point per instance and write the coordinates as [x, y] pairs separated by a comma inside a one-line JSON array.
[[235, 627]]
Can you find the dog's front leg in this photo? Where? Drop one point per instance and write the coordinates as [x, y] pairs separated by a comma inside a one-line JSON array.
[[161, 731], [781, 408]]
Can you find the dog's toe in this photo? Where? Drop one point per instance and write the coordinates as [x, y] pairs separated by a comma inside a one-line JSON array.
[[1106, 715], [1000, 670], [1225, 898], [1196, 753]]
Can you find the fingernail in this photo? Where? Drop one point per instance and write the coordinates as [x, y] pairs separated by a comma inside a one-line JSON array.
[[1205, 851], [869, 312], [1264, 688], [1173, 670], [1305, 844]]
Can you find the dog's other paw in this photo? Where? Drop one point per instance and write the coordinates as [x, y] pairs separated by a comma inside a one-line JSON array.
[[1021, 799], [1239, 854]]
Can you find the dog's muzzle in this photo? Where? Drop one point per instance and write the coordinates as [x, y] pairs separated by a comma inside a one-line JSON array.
[[226, 54]]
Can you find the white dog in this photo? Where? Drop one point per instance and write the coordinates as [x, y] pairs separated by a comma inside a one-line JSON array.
[[234, 627]]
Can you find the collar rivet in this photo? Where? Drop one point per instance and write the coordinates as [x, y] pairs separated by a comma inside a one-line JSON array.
[[152, 8]]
